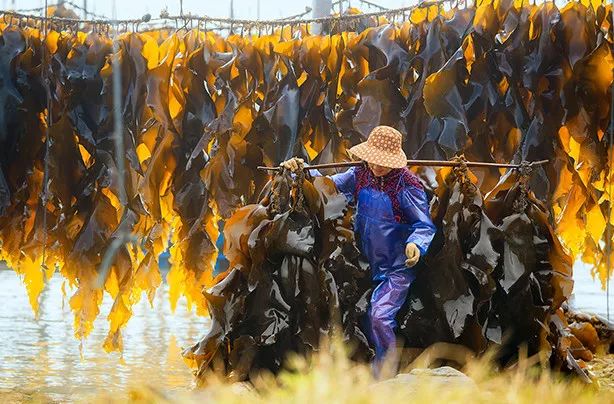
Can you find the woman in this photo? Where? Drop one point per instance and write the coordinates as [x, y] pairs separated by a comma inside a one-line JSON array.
[[393, 226]]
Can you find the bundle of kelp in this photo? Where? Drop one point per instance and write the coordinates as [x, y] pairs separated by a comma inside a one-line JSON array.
[[295, 276], [493, 284], [449, 302], [534, 276]]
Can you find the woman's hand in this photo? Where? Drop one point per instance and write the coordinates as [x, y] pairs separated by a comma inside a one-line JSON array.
[[413, 254], [294, 164]]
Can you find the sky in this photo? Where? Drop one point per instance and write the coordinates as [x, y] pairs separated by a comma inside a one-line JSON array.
[[247, 9]]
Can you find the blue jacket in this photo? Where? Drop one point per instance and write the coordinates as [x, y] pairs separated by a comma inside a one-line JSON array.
[[380, 237]]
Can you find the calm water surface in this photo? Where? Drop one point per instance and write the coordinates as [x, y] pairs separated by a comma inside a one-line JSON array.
[[42, 355], [588, 295]]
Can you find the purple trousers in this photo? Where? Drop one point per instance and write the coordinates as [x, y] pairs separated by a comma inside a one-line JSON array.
[[390, 291]]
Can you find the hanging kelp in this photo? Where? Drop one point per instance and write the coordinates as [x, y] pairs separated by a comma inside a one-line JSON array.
[[452, 295], [502, 81], [497, 285], [533, 276], [294, 276]]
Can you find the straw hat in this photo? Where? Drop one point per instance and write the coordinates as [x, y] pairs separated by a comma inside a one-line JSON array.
[[383, 147]]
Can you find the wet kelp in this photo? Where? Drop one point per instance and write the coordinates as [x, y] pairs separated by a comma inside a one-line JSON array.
[[495, 276], [501, 81], [534, 274], [451, 297], [295, 274]]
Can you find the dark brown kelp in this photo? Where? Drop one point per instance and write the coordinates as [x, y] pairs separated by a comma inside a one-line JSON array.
[[533, 276], [501, 81], [451, 297], [295, 275], [492, 284]]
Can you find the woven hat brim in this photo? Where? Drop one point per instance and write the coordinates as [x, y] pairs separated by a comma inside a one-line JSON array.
[[375, 156]]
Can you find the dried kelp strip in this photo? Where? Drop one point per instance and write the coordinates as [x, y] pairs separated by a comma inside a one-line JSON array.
[[294, 275], [502, 81]]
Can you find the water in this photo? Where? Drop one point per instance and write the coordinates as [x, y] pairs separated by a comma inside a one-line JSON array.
[[43, 355], [588, 295]]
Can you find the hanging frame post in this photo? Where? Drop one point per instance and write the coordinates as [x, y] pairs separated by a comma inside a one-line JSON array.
[[48, 123], [122, 235]]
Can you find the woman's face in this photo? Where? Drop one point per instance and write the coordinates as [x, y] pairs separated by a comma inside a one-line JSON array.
[[379, 171]]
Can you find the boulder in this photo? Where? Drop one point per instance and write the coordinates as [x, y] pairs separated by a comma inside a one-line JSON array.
[[446, 376]]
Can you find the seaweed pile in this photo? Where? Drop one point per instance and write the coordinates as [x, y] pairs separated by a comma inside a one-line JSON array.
[[295, 274], [498, 81]]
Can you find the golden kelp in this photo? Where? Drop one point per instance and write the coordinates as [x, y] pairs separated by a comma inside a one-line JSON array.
[[502, 81]]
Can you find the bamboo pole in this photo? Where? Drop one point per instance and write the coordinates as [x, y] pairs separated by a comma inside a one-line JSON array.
[[422, 163]]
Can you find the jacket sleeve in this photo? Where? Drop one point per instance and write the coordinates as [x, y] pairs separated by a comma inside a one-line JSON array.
[[345, 181], [415, 207]]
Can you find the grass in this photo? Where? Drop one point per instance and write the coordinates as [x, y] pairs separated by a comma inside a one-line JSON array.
[[330, 377]]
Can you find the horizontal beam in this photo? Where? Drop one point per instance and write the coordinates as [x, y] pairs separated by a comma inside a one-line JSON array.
[[422, 163]]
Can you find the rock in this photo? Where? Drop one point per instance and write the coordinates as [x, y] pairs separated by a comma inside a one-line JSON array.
[[444, 371], [445, 375], [603, 327], [586, 333], [577, 349]]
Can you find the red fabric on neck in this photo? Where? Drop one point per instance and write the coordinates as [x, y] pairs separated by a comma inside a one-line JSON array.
[[390, 183]]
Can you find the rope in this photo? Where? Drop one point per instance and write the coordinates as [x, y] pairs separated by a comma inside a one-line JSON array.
[[374, 5], [460, 170], [299, 196], [88, 12], [521, 203], [299, 15], [232, 21], [348, 17], [339, 5], [276, 192], [461, 173], [32, 10]]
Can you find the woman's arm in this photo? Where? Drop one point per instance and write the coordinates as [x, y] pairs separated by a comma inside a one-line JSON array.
[[345, 181], [415, 207]]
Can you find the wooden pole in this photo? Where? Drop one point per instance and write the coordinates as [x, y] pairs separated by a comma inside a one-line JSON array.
[[422, 163]]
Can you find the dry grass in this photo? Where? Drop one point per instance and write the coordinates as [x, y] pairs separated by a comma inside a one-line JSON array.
[[331, 378], [603, 369]]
